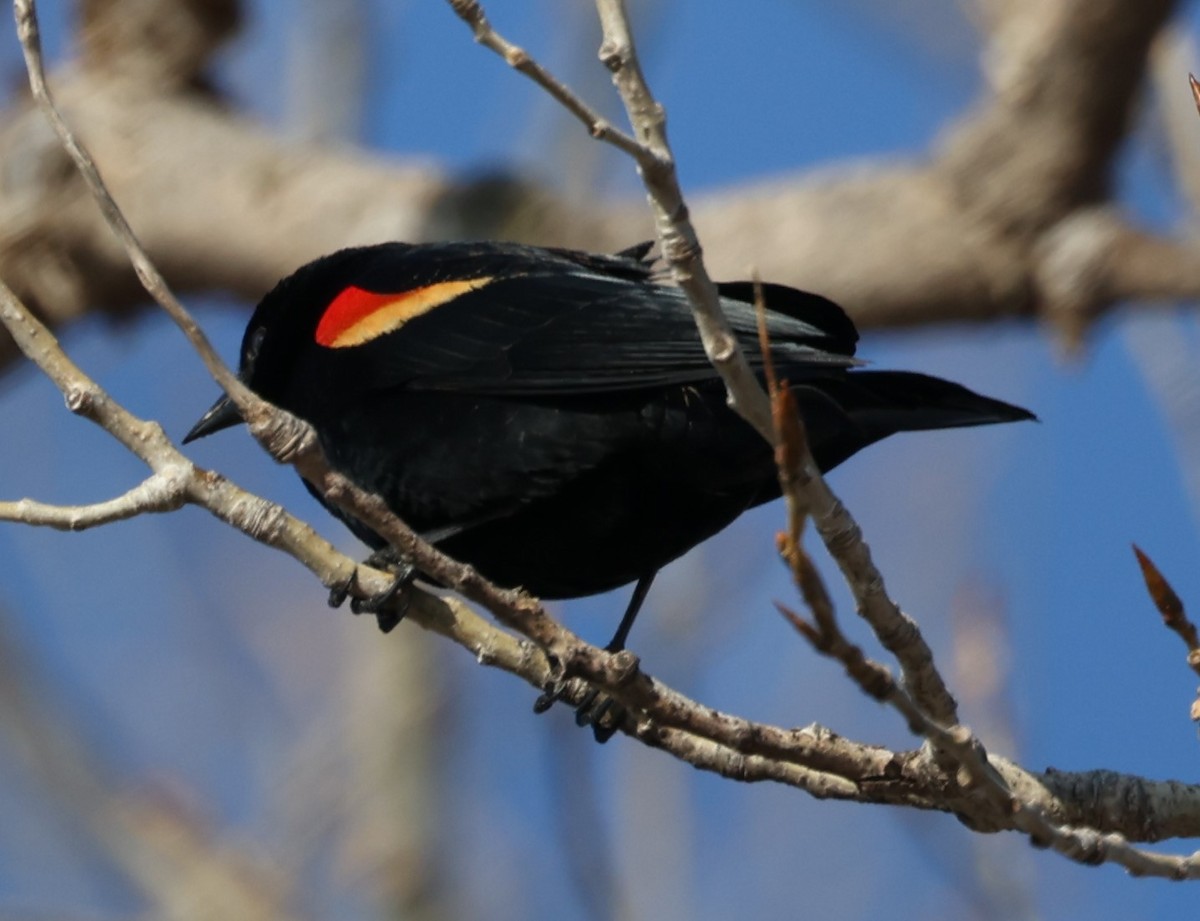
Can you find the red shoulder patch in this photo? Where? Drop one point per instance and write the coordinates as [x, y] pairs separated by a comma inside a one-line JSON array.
[[357, 316]]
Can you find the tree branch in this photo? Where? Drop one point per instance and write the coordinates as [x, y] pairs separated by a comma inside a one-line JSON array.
[[161, 492]]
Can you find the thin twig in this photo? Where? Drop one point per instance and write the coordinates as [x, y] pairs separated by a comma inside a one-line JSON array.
[[676, 236], [254, 409], [1173, 614], [84, 396], [160, 492], [470, 12], [956, 743], [1169, 605], [791, 437]]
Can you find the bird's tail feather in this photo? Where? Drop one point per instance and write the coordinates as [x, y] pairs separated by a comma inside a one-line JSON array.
[[865, 406]]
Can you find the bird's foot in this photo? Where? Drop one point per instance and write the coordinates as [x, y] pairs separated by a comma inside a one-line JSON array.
[[596, 708], [388, 606]]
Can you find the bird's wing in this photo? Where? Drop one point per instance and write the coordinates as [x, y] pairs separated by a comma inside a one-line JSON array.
[[577, 331]]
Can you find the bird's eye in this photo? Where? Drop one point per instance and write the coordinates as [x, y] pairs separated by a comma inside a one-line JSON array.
[[253, 346]]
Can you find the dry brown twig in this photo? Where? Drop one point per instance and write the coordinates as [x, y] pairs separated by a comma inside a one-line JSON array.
[[1171, 607], [813, 759]]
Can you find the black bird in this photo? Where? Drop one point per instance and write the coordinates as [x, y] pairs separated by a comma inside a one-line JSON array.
[[549, 416]]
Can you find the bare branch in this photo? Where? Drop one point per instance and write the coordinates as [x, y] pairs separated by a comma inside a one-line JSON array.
[[84, 397], [897, 633], [676, 236], [253, 408], [1173, 614], [165, 491], [470, 12]]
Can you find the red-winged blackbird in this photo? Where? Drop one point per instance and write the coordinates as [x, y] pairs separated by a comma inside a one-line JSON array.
[[549, 416]]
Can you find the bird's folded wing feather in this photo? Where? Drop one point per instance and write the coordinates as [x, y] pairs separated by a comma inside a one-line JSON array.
[[580, 332]]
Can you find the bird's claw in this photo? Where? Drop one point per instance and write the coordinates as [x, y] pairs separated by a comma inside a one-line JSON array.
[[596, 709], [550, 696], [388, 606], [340, 591]]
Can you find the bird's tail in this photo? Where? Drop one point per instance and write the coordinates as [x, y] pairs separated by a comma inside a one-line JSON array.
[[845, 415]]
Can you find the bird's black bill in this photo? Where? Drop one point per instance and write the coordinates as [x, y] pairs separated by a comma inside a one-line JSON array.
[[222, 415]]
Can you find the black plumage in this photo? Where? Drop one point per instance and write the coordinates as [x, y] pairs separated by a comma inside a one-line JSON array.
[[549, 416]]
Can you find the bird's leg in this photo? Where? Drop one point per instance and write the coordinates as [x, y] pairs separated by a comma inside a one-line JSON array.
[[386, 613], [640, 591], [598, 710]]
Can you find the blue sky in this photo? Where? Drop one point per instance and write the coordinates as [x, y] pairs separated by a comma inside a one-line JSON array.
[[161, 638]]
